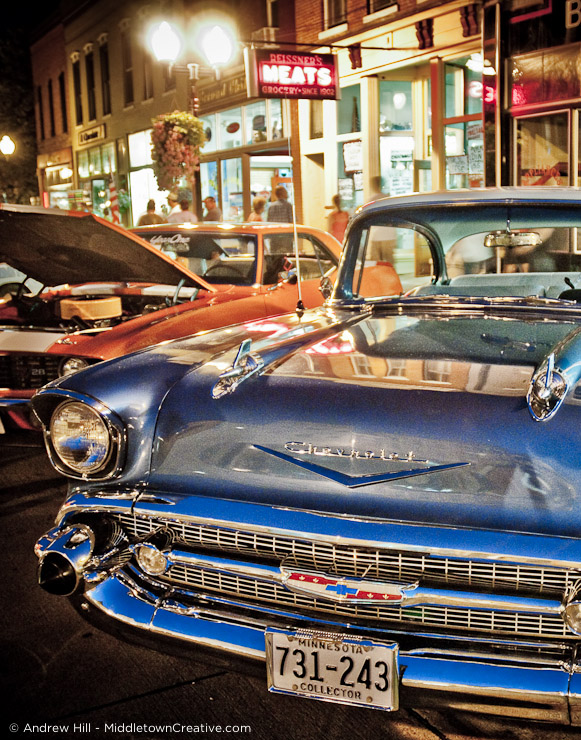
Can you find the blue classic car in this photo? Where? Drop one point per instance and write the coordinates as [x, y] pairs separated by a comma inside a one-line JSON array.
[[378, 500]]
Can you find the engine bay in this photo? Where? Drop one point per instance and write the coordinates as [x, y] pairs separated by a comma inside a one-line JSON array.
[[85, 307]]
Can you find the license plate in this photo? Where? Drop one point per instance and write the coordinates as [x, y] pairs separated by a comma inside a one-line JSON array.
[[337, 668]]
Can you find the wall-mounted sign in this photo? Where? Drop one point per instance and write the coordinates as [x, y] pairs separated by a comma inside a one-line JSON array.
[[88, 136], [295, 74]]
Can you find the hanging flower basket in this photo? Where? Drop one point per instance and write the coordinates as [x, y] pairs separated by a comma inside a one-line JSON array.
[[175, 139]]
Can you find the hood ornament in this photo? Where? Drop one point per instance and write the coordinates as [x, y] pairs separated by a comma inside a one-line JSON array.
[[558, 373], [244, 366], [412, 466]]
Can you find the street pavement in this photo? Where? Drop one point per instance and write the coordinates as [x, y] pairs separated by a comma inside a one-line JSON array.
[[62, 678]]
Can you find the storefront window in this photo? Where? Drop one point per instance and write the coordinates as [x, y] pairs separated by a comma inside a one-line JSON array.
[[464, 155], [140, 148], [276, 127], [543, 150], [397, 164], [350, 171], [232, 190], [210, 131], [230, 126], [95, 166], [553, 74], [83, 164], [255, 115], [108, 157], [143, 188], [463, 87], [395, 105], [209, 180], [348, 110], [99, 197], [464, 139]]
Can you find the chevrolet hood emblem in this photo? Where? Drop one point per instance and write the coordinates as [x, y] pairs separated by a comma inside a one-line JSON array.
[[407, 466], [353, 590]]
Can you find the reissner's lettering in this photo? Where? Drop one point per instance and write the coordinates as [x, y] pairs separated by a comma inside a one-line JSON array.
[[285, 74], [312, 61]]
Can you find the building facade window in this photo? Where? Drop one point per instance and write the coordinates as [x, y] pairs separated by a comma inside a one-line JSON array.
[[127, 62], [90, 77], [41, 131], [105, 78], [335, 12], [272, 13], [77, 92], [63, 102], [51, 108], [374, 6], [542, 149], [437, 371]]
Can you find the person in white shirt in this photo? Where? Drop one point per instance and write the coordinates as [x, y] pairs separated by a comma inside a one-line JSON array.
[[184, 215]]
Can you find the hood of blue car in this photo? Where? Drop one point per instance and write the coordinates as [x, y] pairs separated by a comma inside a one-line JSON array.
[[419, 418]]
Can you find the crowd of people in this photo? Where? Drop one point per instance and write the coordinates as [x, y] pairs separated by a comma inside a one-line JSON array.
[[279, 210]]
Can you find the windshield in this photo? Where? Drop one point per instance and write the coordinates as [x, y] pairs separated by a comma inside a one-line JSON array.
[[218, 258], [509, 254]]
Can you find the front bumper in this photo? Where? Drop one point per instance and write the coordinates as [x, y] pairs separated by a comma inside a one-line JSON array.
[[16, 413], [533, 689]]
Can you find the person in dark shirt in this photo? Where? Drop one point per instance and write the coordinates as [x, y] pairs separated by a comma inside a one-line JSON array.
[[281, 210], [213, 213]]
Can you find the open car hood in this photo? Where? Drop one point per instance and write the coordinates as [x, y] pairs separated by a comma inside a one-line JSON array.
[[70, 247]]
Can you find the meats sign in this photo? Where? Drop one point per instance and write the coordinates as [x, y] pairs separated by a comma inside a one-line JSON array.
[[276, 74]]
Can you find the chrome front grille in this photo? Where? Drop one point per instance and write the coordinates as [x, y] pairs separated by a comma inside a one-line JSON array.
[[453, 618], [28, 371], [373, 564]]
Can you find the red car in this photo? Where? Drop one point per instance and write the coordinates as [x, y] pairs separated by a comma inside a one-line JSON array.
[[106, 291]]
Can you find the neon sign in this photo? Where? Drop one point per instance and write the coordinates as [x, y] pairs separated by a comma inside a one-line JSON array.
[[275, 74]]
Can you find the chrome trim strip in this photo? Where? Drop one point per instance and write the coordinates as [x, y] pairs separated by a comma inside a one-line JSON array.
[[302, 525]]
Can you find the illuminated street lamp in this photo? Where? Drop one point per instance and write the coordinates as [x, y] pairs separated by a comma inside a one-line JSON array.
[[7, 146], [216, 42], [217, 46]]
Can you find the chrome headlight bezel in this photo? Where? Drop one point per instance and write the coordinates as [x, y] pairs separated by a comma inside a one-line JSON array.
[[110, 464], [66, 365]]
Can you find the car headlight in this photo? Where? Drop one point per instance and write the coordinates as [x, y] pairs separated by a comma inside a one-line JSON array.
[[72, 365], [80, 437]]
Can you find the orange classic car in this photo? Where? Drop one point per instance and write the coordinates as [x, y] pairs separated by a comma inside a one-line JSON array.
[[89, 290]]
